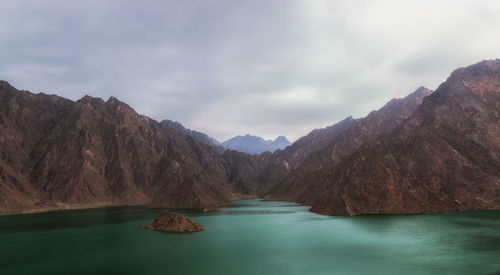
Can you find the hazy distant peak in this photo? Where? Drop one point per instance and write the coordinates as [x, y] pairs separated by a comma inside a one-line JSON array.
[[281, 138], [254, 144]]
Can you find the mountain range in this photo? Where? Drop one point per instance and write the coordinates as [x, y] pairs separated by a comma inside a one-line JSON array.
[[428, 152], [255, 145]]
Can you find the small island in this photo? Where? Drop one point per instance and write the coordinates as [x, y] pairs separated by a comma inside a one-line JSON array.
[[172, 222]]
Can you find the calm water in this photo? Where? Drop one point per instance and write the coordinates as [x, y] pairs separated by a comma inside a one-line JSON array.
[[250, 237]]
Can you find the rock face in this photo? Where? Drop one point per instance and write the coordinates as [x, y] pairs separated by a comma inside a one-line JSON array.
[[284, 161], [255, 145], [340, 142], [56, 153], [444, 157], [172, 222], [199, 136], [422, 153]]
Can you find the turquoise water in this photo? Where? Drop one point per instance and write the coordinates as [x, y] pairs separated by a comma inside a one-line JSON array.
[[250, 237]]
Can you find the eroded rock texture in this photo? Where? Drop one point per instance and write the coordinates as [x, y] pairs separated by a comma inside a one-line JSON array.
[[422, 153], [444, 157], [172, 222], [56, 153]]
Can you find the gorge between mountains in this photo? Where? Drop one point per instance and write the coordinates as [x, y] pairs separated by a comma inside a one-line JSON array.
[[427, 152]]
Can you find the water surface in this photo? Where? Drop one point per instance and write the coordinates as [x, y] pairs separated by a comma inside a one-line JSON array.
[[250, 237]]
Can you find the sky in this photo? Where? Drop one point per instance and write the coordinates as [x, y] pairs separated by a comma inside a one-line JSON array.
[[226, 68]]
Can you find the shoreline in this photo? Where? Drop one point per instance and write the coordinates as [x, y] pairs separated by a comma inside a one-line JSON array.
[[110, 205]]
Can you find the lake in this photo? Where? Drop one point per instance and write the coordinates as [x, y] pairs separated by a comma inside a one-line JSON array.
[[250, 237]]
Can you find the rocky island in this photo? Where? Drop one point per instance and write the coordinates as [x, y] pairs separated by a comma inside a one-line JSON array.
[[172, 222]]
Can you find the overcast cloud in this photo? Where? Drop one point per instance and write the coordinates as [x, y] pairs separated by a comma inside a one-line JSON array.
[[269, 68]]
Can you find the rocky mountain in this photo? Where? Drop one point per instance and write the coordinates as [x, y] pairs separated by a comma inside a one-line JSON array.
[[255, 145], [115, 169], [326, 147], [284, 161], [427, 152], [444, 157], [215, 141], [199, 136], [56, 153]]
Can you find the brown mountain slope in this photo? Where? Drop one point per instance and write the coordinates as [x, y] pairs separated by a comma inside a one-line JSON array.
[[445, 157], [279, 165], [57, 153], [199, 136], [345, 142]]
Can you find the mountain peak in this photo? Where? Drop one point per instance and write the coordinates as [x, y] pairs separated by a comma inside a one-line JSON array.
[[281, 138], [113, 99], [422, 91], [115, 102], [199, 136], [492, 63], [254, 144], [478, 79], [4, 84], [348, 119], [176, 125], [479, 68], [89, 100]]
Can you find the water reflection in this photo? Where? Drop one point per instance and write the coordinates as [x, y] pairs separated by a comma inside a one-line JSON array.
[[73, 218]]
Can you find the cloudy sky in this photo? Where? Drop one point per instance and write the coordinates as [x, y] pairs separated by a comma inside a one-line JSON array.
[[269, 67]]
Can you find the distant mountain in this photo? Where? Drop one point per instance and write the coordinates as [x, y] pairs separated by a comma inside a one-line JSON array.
[[255, 145]]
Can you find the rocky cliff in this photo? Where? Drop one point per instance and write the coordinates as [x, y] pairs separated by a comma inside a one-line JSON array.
[[348, 138], [56, 153], [422, 153], [199, 136], [444, 157]]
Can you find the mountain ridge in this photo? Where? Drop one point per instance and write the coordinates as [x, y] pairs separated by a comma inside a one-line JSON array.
[[254, 144], [427, 152], [56, 153], [444, 157]]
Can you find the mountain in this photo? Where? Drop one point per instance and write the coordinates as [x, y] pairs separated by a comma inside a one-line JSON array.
[[444, 157], [56, 153], [255, 145], [119, 157], [335, 143], [199, 136], [427, 152], [284, 161], [279, 143], [215, 141]]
